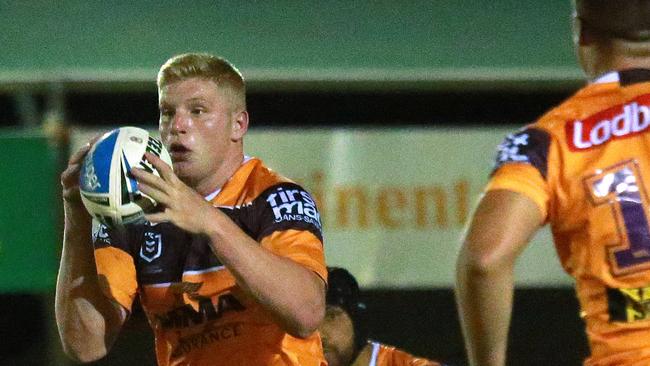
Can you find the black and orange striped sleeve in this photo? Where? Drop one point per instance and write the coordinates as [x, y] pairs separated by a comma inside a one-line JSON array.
[[115, 265], [284, 219]]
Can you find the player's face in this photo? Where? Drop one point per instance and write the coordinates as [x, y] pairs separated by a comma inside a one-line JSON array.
[[196, 125], [337, 333]]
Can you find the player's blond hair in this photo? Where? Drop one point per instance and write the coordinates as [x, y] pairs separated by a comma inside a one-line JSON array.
[[205, 66]]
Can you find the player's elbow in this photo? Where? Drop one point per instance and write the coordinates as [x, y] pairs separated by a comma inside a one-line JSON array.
[[480, 266], [483, 263], [306, 325], [83, 345], [308, 318], [81, 353]]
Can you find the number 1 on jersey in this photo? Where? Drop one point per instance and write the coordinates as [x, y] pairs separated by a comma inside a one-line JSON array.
[[620, 187]]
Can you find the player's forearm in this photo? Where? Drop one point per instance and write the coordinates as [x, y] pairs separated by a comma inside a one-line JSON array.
[[84, 315], [292, 293], [484, 297]]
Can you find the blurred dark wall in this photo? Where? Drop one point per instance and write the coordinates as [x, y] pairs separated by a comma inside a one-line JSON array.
[[546, 329], [319, 109]]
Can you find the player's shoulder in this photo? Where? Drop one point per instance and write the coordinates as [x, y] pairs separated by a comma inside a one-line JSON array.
[[250, 181], [588, 100], [263, 176], [600, 112], [605, 95], [268, 182], [279, 193], [268, 202], [254, 177], [529, 145], [554, 125], [554, 120]]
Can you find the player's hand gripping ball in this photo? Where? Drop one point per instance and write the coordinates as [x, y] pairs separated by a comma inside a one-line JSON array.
[[108, 190]]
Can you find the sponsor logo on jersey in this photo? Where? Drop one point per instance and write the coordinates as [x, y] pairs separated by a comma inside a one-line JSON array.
[[152, 247], [528, 146], [629, 304], [510, 150], [210, 335], [207, 309], [293, 205], [611, 124]]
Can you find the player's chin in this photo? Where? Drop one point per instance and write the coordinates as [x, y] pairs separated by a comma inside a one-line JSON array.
[[182, 167], [183, 170]]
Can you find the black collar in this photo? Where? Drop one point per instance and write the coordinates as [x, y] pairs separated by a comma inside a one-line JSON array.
[[633, 76]]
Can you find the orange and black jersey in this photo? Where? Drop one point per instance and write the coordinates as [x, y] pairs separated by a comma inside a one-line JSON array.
[[586, 164], [384, 355], [198, 313]]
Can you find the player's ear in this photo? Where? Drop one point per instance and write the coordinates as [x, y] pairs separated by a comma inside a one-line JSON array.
[[239, 125]]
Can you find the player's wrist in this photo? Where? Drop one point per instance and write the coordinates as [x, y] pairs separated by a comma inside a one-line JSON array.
[[74, 199], [209, 221], [75, 211], [216, 225]]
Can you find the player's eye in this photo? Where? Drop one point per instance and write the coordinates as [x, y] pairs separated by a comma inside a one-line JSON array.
[[197, 110]]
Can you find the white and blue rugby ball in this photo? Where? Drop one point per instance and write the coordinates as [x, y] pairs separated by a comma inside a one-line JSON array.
[[108, 191]]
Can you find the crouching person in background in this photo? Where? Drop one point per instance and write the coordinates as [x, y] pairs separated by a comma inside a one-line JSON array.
[[345, 333]]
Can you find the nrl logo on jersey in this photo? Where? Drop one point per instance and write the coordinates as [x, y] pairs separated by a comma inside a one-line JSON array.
[[152, 247], [611, 124], [293, 205]]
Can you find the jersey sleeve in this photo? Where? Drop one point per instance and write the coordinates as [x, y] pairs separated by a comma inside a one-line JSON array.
[[115, 266], [522, 166], [289, 225]]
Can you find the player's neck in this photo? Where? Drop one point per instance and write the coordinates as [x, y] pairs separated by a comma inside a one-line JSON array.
[[597, 63], [221, 175]]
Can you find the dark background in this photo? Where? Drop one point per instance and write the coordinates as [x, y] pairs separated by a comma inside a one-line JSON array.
[[544, 326], [316, 109]]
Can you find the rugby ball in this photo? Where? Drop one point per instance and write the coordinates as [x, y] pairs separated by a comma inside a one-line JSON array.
[[108, 190]]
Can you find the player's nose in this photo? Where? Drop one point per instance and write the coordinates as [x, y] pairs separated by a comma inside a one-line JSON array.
[[180, 123]]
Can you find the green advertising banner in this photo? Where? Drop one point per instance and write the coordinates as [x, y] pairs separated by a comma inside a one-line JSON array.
[[394, 202], [29, 240], [410, 44]]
